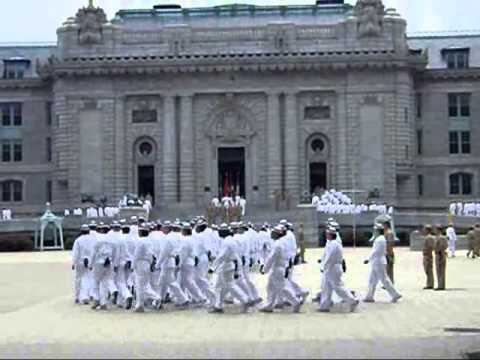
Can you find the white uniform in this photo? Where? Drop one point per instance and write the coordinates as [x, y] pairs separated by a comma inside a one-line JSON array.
[[452, 240], [277, 287], [378, 270], [290, 242], [166, 261], [122, 274], [187, 269], [332, 272], [103, 261], [142, 261], [80, 252], [201, 242], [224, 265]]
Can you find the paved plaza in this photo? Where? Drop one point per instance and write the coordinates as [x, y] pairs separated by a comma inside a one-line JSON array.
[[39, 319]]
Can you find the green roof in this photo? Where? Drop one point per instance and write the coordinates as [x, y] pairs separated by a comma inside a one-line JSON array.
[[238, 10]]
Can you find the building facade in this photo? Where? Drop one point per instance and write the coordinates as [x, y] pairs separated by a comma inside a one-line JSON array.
[[185, 104]]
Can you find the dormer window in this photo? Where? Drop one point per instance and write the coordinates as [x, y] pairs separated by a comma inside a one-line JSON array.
[[456, 58]]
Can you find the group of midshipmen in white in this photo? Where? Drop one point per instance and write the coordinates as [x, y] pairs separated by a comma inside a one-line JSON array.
[[336, 202], [6, 214], [465, 209], [144, 265]]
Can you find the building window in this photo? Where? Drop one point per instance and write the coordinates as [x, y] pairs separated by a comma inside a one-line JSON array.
[[420, 185], [15, 68], [49, 149], [459, 105], [12, 150], [418, 103], [459, 142], [144, 116], [49, 112], [419, 142], [49, 191], [461, 184], [457, 58], [11, 114], [12, 191], [145, 148], [318, 145], [317, 112]]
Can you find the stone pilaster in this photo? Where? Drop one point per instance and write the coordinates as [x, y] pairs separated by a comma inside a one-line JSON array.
[[274, 144], [169, 168], [292, 170], [187, 174], [120, 181]]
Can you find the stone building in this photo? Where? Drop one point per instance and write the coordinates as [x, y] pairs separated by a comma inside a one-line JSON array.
[[184, 104]]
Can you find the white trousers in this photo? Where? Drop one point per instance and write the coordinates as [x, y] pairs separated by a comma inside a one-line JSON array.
[[187, 274], [451, 247], [378, 273], [143, 287], [103, 283], [226, 285], [333, 283], [201, 279], [278, 289], [250, 288], [82, 283], [121, 277], [169, 283]]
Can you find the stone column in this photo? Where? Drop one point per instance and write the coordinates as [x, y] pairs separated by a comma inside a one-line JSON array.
[[291, 147], [121, 180], [187, 173], [169, 166], [274, 143]]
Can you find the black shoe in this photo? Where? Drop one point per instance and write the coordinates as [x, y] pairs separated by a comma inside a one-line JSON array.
[[428, 288], [115, 298], [439, 289], [129, 303]]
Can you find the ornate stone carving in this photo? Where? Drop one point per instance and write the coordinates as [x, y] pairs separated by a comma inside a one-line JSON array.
[[90, 21], [230, 124], [370, 15]]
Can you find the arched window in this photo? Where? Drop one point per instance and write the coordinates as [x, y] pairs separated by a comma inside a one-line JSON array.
[[12, 191], [461, 184]]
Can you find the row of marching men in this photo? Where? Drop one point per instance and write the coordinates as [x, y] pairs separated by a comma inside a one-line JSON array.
[[146, 265]]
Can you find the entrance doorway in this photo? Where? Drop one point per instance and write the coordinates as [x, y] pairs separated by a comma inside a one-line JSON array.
[[146, 182], [231, 172], [318, 176]]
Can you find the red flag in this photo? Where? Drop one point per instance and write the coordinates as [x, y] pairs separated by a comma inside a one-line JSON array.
[[226, 185]]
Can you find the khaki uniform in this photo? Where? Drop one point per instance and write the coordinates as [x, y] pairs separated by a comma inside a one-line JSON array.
[[428, 248], [301, 245], [441, 246], [477, 241], [390, 254], [471, 243]]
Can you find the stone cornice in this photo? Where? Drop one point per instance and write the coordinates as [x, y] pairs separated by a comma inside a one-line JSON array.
[[451, 74], [291, 61], [21, 83]]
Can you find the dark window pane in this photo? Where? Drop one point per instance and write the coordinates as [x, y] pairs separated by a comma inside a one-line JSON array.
[[454, 145], [49, 191], [48, 108], [455, 184], [466, 184], [420, 185], [49, 149], [6, 194], [419, 105], [144, 116], [6, 152], [17, 152], [419, 142], [17, 191], [17, 114], [450, 61], [465, 105], [452, 105], [465, 142], [317, 112], [6, 115]]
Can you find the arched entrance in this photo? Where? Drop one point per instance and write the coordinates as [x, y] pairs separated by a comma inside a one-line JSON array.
[[317, 148], [145, 150]]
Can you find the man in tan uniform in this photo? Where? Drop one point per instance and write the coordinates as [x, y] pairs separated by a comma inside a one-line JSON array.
[[471, 242], [428, 247], [477, 240], [441, 246], [390, 237], [301, 243]]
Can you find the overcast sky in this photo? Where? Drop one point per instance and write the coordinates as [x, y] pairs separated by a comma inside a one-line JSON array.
[[37, 20]]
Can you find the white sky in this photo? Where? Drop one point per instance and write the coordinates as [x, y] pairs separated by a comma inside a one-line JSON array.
[[37, 20]]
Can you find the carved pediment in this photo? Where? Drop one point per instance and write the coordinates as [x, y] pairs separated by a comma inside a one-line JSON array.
[[230, 125], [90, 21], [370, 15]]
